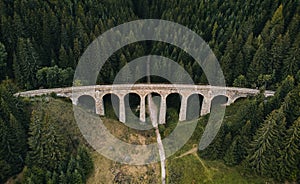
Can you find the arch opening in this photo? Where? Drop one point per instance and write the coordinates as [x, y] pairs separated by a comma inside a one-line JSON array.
[[219, 100], [239, 99], [111, 103], [157, 100], [194, 105], [132, 107], [173, 102], [88, 103]]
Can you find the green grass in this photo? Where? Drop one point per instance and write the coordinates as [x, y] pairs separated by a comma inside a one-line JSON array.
[[192, 169]]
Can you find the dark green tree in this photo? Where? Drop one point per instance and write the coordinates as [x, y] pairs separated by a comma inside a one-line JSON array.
[[278, 54], [26, 64], [258, 65], [76, 178], [34, 175], [47, 145], [240, 81], [3, 62], [290, 154], [233, 153], [63, 58], [216, 149], [85, 161], [13, 123], [264, 152], [277, 23], [291, 105], [291, 62]]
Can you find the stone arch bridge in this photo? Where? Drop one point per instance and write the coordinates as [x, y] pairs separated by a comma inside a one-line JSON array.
[[97, 92]]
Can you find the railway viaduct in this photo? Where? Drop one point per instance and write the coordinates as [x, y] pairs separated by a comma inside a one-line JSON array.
[[97, 92]]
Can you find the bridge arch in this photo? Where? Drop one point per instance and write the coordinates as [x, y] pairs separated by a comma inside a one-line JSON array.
[[132, 102], [87, 102], [194, 106], [173, 102], [237, 98], [157, 97], [220, 100], [111, 105]]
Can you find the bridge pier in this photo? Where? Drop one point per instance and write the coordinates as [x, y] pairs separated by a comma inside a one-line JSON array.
[[100, 107], [99, 104], [163, 109], [206, 104], [143, 109], [122, 112], [183, 108]]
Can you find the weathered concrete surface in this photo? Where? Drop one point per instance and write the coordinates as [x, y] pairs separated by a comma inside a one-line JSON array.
[[97, 92]]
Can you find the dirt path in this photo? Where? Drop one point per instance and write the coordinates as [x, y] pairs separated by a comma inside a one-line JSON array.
[[192, 151]]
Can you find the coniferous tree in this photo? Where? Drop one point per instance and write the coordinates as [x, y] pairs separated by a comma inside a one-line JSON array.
[[26, 63], [34, 175], [227, 61], [278, 52], [55, 147], [76, 51], [264, 152], [290, 154], [215, 149], [248, 51], [46, 143], [245, 140], [3, 61], [277, 24], [285, 87], [62, 178], [35, 143], [76, 177], [63, 58], [233, 154], [12, 133], [258, 65], [291, 62], [291, 105], [85, 162]]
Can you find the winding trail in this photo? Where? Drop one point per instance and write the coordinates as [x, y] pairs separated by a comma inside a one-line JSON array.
[[191, 151]]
